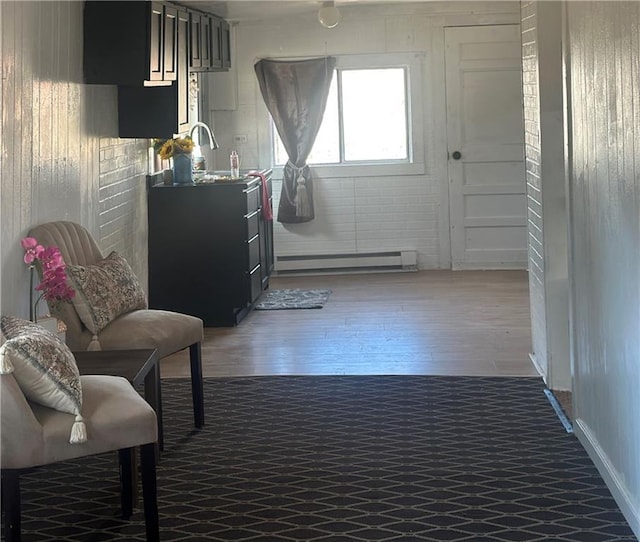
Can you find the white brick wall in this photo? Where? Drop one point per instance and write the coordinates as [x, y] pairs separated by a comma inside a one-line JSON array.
[[546, 198], [534, 185], [122, 201]]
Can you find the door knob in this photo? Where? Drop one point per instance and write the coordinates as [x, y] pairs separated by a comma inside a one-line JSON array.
[[456, 155]]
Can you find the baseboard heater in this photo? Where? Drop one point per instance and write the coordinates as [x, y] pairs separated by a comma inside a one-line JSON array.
[[404, 260]]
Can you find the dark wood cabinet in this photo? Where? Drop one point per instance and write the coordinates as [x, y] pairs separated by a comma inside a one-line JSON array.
[[225, 44], [157, 45], [182, 84], [207, 41], [210, 43], [144, 50], [169, 44], [210, 249], [265, 227], [195, 37], [159, 111], [216, 43]]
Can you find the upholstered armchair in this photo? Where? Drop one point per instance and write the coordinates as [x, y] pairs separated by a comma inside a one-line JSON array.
[[166, 331], [33, 435]]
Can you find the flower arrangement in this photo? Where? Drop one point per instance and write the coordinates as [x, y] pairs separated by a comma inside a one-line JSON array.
[[167, 148], [53, 285]]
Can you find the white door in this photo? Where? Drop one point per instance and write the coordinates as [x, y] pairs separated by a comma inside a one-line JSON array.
[[487, 190]]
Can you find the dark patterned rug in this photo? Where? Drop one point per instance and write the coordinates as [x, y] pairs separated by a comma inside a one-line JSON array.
[[292, 299], [346, 458]]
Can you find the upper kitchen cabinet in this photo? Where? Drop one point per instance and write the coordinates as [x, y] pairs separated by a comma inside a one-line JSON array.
[[225, 44], [196, 40], [145, 49], [210, 43], [159, 111]]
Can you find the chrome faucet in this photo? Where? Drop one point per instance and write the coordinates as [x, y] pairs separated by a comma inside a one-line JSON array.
[[212, 140]]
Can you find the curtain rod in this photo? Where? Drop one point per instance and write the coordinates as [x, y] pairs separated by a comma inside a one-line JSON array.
[[289, 58], [418, 54]]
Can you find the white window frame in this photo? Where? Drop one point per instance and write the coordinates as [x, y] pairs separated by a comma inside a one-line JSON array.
[[415, 163]]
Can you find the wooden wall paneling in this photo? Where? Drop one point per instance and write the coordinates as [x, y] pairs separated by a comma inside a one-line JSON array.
[[606, 131], [2, 147], [32, 49], [52, 127], [22, 118], [10, 201], [77, 132]]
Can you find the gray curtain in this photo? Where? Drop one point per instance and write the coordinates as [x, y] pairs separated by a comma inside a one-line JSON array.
[[295, 93]]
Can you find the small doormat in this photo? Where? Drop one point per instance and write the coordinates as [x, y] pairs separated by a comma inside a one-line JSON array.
[[292, 299]]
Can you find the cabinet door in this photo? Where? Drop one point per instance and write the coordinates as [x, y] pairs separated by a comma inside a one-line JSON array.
[[207, 38], [225, 44], [196, 40], [183, 71], [149, 111], [216, 43], [156, 46], [170, 60]]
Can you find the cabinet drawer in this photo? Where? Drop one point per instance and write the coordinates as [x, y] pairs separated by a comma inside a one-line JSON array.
[[255, 284], [254, 251], [253, 221], [253, 198]]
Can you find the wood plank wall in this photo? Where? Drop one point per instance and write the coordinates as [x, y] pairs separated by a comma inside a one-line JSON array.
[[604, 46], [61, 158]]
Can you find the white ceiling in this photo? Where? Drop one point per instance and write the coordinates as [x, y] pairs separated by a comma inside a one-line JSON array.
[[243, 10]]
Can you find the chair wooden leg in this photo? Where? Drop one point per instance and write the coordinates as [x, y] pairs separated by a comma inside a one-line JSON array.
[[11, 504], [128, 481], [197, 386], [149, 491]]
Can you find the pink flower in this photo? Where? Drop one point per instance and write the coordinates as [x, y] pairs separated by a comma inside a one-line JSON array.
[[32, 249], [53, 283], [51, 258]]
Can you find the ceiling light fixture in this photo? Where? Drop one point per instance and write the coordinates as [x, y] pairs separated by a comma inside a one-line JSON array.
[[328, 15]]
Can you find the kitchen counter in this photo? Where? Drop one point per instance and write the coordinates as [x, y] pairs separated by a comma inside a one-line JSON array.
[[210, 248]]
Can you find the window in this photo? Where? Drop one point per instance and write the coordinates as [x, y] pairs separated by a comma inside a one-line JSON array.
[[368, 120]]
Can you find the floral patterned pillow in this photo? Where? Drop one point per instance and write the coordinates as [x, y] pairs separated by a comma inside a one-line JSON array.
[[104, 291], [44, 368]]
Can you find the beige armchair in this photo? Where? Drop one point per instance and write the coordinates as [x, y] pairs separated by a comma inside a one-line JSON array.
[[167, 331], [32, 435]]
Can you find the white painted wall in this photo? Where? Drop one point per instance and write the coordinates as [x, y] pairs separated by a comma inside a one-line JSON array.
[[61, 158], [1, 153], [355, 214], [603, 44]]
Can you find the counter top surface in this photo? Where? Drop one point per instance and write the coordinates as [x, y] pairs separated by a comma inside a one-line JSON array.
[[212, 178]]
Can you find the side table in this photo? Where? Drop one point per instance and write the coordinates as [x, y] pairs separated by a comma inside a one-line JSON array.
[[137, 366]]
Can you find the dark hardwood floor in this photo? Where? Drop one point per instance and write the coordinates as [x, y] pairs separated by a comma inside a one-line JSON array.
[[428, 322]]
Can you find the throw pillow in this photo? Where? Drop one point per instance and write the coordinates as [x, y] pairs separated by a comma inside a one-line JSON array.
[[104, 291], [44, 368]]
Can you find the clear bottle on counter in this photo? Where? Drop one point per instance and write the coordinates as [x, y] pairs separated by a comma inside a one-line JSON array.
[[199, 163], [234, 162]]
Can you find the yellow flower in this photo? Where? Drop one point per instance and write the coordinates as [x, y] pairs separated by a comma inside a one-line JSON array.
[[173, 146], [183, 145]]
